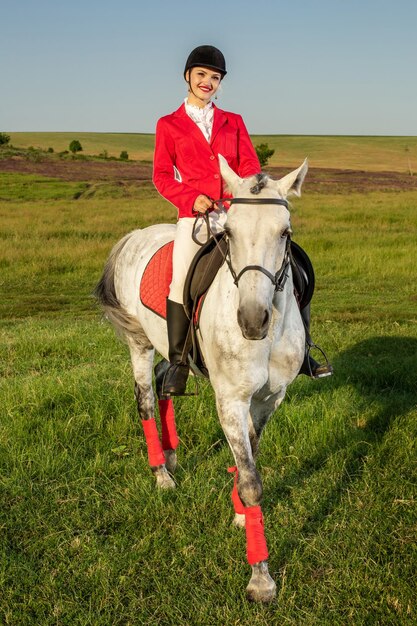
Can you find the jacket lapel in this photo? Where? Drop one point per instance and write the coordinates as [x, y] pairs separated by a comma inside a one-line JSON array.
[[219, 120], [189, 126]]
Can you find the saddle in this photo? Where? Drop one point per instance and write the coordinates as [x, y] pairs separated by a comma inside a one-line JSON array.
[[302, 275], [202, 272], [156, 279]]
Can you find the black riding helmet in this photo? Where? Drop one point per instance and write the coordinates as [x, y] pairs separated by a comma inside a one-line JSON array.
[[206, 56]]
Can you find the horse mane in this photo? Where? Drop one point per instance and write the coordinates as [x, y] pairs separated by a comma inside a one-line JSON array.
[[261, 182]]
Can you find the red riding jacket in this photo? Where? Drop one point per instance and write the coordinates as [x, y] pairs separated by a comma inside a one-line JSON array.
[[180, 144]]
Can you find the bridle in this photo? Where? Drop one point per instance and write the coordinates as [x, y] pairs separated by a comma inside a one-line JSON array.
[[280, 277]]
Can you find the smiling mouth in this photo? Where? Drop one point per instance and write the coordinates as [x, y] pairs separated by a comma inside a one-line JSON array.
[[206, 89]]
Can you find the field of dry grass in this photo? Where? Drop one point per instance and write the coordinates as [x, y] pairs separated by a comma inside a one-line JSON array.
[[396, 154]]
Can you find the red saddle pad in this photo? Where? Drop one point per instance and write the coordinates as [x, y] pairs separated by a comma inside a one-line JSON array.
[[156, 279]]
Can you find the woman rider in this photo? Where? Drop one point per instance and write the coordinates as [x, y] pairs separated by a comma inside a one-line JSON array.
[[187, 173]]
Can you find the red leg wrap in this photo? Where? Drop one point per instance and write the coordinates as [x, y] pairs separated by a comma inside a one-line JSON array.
[[170, 439], [237, 502], [155, 453], [256, 549]]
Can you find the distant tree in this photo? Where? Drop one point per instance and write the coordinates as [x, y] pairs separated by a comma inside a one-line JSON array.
[[124, 155], [4, 139], [75, 146], [50, 150], [264, 153]]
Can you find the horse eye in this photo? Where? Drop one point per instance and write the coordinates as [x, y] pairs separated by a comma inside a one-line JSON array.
[[228, 232], [287, 232]]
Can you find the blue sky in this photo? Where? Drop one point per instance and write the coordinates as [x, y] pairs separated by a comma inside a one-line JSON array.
[[306, 67]]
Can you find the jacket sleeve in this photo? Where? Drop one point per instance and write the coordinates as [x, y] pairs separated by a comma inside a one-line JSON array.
[[247, 157], [181, 195]]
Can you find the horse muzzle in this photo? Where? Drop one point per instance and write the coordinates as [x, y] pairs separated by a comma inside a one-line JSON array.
[[254, 322]]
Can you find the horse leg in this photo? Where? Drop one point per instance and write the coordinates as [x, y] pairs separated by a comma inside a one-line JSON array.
[[170, 439], [234, 418], [260, 411], [142, 360]]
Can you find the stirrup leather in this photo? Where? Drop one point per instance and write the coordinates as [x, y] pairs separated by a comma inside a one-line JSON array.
[[322, 371]]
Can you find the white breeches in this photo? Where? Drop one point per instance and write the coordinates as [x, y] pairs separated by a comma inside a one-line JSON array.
[[185, 248]]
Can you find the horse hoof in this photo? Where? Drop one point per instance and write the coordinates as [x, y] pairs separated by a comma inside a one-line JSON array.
[[170, 460], [239, 520], [164, 480], [261, 587], [265, 592]]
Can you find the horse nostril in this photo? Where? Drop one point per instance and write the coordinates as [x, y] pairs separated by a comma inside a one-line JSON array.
[[266, 318]]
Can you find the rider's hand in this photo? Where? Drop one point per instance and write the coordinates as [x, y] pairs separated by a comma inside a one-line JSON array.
[[203, 203]]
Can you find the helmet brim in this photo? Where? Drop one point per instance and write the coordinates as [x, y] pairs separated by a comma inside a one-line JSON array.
[[209, 67]]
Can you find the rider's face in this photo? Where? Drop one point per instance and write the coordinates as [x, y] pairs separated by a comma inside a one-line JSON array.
[[203, 83]]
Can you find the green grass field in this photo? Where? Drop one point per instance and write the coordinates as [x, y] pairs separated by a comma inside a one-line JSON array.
[[85, 538], [396, 154]]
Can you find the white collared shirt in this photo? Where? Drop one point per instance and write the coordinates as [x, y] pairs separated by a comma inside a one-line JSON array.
[[202, 117]]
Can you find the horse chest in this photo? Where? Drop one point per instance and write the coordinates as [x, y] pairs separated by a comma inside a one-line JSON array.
[[286, 359]]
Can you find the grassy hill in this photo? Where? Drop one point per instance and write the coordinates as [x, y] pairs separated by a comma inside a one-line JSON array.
[[138, 146], [397, 154]]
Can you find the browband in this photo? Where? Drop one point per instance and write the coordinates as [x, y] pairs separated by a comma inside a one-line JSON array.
[[254, 201]]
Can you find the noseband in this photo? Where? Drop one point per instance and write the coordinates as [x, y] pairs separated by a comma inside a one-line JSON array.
[[280, 277]]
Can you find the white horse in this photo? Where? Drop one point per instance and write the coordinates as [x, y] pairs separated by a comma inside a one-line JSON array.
[[251, 336]]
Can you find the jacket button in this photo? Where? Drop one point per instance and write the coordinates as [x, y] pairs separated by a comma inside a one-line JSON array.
[[216, 176], [212, 157]]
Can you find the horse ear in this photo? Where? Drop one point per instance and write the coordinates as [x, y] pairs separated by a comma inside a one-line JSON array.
[[232, 180], [291, 183]]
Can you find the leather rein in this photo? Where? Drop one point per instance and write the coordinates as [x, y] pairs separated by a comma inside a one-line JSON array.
[[280, 277]]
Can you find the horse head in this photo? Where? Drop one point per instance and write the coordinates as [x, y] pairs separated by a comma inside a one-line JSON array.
[[258, 228]]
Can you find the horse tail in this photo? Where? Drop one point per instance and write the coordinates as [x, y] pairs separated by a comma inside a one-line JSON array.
[[125, 324]]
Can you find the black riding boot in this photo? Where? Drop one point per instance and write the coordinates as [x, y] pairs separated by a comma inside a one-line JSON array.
[[310, 367], [175, 379]]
